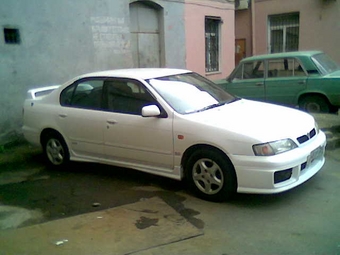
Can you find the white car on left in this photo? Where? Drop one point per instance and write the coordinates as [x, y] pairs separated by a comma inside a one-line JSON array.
[[178, 124]]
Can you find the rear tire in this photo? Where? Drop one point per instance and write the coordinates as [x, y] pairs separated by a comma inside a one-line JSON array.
[[210, 175], [55, 149], [315, 104]]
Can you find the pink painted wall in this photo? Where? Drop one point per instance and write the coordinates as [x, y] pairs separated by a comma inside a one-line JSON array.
[[319, 24], [195, 13]]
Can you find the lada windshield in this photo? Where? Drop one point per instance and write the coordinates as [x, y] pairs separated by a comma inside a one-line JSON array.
[[190, 92], [325, 64]]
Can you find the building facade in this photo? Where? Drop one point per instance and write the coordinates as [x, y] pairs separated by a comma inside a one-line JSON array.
[[268, 26], [47, 42]]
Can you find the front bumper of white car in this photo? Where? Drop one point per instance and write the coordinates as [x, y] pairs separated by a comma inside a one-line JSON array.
[[274, 174]]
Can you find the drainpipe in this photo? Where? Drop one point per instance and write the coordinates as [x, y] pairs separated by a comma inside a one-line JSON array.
[[252, 6]]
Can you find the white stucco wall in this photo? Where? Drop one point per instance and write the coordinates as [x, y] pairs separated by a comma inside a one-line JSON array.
[[62, 39]]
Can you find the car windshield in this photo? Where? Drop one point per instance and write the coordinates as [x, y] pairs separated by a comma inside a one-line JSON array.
[[325, 64], [190, 92]]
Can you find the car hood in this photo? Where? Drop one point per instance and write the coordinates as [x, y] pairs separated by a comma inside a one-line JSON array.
[[259, 121]]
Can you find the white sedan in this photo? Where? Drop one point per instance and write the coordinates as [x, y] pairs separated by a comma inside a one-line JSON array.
[[175, 123]]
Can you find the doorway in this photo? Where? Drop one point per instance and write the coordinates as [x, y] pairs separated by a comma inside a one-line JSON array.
[[145, 34], [240, 50]]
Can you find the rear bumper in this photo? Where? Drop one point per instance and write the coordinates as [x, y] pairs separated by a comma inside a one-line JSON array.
[[274, 174]]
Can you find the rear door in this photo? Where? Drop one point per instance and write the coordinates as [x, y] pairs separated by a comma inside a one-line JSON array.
[[81, 117], [286, 78], [248, 81]]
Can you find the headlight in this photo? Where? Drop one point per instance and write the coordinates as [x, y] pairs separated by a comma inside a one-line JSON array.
[[273, 148]]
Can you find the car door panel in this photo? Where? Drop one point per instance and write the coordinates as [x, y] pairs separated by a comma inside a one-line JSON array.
[[135, 139], [82, 118], [284, 90], [83, 129], [249, 89], [128, 136], [286, 79], [248, 81]]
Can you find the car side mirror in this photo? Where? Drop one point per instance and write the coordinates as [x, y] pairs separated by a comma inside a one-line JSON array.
[[151, 111]]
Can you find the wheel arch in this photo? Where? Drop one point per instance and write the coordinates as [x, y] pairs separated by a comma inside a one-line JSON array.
[[331, 108], [46, 131], [308, 94], [189, 151]]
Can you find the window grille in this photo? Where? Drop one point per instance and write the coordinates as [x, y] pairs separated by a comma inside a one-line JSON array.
[[12, 36], [284, 32], [212, 34]]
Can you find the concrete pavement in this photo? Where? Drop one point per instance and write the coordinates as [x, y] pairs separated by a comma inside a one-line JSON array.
[[122, 230]]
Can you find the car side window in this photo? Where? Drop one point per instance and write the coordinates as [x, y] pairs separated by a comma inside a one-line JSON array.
[[83, 94], [285, 67], [250, 70], [126, 96]]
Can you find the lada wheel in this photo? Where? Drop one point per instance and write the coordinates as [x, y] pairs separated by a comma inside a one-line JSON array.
[[211, 175], [314, 104], [55, 149]]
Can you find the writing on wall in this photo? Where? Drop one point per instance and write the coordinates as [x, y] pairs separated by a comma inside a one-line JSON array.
[[110, 33]]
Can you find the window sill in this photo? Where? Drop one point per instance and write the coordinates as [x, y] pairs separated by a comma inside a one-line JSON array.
[[213, 73]]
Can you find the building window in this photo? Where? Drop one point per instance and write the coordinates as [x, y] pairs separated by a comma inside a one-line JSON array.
[[284, 32], [12, 36], [212, 43]]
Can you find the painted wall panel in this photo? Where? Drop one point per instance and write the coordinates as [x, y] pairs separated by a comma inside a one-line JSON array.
[[196, 11], [319, 24]]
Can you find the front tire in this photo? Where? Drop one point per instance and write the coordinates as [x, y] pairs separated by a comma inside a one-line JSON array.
[[211, 175], [55, 149]]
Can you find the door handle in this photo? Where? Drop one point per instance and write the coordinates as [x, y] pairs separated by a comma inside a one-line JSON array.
[[62, 115], [302, 82], [111, 122], [259, 84]]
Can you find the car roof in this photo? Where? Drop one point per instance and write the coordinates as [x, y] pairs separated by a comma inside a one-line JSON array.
[[282, 55], [137, 73]]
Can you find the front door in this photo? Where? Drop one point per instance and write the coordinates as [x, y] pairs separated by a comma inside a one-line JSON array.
[[248, 81], [129, 137]]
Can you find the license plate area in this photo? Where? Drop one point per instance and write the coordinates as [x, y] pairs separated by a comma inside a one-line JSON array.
[[316, 154]]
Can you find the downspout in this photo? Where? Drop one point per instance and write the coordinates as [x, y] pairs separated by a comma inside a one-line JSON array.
[[253, 37]]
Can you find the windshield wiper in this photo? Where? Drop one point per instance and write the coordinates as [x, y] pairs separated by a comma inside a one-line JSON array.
[[217, 105], [210, 107]]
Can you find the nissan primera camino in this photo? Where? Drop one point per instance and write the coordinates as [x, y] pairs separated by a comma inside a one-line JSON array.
[[178, 124]]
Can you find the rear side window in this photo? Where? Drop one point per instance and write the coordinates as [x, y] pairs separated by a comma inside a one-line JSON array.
[[83, 94]]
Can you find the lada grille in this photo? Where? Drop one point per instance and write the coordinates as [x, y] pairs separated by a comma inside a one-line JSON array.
[[306, 137]]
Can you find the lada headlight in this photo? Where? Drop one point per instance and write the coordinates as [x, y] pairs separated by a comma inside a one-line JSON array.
[[273, 148]]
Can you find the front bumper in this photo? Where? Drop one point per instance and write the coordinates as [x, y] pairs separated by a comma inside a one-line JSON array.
[[274, 174]]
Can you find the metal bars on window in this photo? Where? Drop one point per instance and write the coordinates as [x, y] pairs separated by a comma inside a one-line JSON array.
[[284, 32], [12, 36], [212, 34]]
